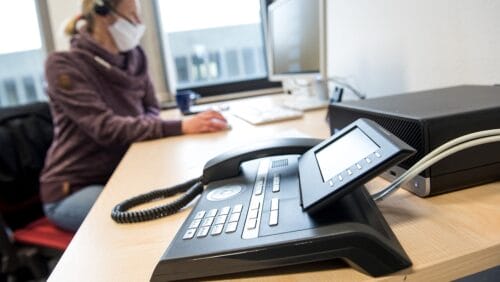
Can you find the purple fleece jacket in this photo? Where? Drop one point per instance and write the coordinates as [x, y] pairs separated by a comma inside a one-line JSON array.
[[100, 103]]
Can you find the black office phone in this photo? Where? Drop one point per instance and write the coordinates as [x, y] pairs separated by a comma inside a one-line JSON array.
[[290, 201]]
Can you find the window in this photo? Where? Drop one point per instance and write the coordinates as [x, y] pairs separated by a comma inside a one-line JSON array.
[[21, 53], [216, 46]]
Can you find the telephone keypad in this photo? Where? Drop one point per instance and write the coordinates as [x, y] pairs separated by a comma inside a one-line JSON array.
[[213, 221]]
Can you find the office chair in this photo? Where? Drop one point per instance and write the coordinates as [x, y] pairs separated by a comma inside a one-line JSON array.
[[28, 241]]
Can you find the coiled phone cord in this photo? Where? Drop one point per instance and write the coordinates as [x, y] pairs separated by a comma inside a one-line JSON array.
[[121, 213]]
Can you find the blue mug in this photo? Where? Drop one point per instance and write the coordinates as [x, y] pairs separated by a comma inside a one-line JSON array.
[[185, 99]]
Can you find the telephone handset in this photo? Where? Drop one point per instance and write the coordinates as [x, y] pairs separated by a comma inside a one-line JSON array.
[[228, 164], [328, 169], [224, 166]]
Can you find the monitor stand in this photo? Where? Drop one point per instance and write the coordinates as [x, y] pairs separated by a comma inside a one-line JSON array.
[[315, 97]]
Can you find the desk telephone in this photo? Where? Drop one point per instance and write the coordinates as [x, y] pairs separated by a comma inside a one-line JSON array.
[[284, 202]]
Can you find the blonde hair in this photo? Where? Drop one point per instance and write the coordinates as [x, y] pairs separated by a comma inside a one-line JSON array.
[[87, 14]]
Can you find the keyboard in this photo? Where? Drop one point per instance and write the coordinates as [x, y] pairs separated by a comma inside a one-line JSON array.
[[263, 114]]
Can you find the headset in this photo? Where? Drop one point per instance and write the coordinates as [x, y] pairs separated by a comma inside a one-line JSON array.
[[102, 7]]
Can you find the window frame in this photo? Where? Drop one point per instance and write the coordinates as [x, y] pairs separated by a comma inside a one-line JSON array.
[[46, 35], [32, 84], [220, 91]]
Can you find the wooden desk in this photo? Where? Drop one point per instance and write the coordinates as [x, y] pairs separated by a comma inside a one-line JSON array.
[[446, 237]]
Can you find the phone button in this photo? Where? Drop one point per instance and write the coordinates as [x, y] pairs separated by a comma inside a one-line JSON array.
[[377, 155], [203, 231], [224, 192], [234, 217], [224, 211], [274, 204], [237, 208], [217, 229], [255, 205], [199, 215], [207, 221], [212, 213], [349, 172], [368, 160], [276, 183], [195, 223], [189, 234], [251, 223], [253, 213], [231, 227], [259, 186], [221, 219], [359, 166], [273, 218]]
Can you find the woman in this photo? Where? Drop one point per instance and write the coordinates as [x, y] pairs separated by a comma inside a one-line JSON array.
[[102, 100]]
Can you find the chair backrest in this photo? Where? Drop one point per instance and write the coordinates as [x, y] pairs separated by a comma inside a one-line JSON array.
[[26, 133]]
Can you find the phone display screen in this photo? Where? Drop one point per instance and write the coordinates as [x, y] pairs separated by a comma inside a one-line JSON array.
[[344, 152]]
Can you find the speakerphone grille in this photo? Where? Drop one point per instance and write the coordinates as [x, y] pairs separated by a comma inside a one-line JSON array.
[[279, 163]]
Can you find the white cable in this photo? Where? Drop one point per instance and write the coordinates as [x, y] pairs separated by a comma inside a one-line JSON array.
[[342, 82], [449, 148], [485, 133], [335, 79]]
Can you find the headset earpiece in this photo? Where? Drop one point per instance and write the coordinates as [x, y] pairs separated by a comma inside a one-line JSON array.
[[101, 7]]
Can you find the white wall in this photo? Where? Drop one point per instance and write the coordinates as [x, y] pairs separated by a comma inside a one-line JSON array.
[[394, 46], [60, 11]]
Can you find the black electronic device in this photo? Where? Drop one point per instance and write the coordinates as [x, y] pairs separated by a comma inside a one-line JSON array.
[[427, 119], [102, 7], [290, 201]]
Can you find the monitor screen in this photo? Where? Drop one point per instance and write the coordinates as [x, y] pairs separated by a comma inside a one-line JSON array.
[[294, 37], [344, 152]]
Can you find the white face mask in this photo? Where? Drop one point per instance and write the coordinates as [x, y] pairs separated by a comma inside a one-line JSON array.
[[126, 35]]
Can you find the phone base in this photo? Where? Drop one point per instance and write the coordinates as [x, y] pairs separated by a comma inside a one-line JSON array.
[[352, 229]]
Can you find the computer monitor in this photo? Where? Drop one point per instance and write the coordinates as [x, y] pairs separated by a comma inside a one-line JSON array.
[[296, 44]]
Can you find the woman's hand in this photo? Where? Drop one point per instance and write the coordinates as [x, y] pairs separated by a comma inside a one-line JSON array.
[[209, 121]]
